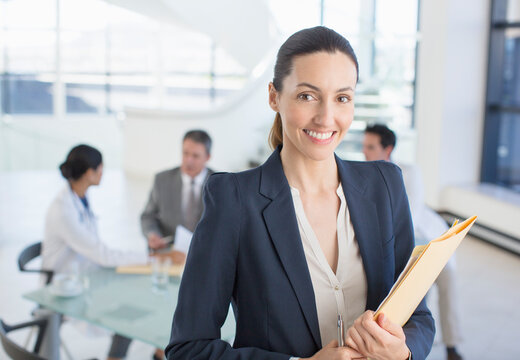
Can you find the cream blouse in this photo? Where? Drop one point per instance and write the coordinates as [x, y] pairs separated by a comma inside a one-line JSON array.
[[341, 293]]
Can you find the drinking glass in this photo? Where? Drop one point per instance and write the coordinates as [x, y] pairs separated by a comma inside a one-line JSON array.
[[160, 274]]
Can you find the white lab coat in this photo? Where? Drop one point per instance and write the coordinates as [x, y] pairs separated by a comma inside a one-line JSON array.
[[72, 242]]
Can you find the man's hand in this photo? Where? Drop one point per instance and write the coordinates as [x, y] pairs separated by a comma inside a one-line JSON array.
[[156, 242]]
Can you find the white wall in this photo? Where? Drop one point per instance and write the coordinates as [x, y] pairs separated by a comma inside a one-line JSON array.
[[497, 208], [153, 138], [41, 142], [451, 83], [245, 29]]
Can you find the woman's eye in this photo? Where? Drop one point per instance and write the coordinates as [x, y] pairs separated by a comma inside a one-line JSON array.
[[305, 97], [344, 99]]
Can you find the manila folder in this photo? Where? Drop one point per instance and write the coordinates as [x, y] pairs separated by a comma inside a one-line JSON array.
[[425, 264]]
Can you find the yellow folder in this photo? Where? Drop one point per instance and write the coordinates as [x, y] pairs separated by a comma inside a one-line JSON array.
[[423, 267]]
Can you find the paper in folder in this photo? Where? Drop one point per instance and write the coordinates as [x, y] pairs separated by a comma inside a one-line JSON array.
[[423, 267]]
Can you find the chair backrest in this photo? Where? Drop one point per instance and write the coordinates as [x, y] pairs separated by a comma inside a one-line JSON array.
[[13, 350], [27, 255]]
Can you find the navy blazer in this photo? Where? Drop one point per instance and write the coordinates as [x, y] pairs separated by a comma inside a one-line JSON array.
[[247, 250]]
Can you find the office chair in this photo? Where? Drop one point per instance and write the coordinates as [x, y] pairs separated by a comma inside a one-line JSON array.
[[27, 255], [16, 352]]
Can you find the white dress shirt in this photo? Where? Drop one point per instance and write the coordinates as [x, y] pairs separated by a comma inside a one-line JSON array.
[[341, 293], [71, 240], [186, 187], [427, 224]]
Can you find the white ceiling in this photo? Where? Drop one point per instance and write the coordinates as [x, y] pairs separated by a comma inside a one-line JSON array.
[[245, 29]]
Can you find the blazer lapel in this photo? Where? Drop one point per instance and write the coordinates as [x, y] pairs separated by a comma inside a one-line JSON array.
[[363, 214], [280, 219]]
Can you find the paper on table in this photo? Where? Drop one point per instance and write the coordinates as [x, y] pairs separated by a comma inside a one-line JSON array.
[[423, 267], [174, 270], [182, 239]]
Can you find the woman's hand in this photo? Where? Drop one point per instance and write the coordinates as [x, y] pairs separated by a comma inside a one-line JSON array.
[[381, 340], [332, 352]]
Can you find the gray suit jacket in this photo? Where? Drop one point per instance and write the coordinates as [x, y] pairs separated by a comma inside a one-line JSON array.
[[163, 211]]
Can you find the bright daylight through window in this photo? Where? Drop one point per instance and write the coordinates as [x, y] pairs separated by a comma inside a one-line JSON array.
[[99, 58]]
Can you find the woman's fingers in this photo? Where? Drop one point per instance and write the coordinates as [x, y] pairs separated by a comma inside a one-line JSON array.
[[353, 354], [351, 343], [355, 340], [331, 351], [332, 344], [389, 326], [376, 339]]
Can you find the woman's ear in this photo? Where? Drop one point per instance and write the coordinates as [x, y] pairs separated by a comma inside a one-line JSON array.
[[90, 173], [273, 97]]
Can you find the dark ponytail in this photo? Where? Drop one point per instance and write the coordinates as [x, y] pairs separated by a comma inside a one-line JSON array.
[[79, 160], [276, 133]]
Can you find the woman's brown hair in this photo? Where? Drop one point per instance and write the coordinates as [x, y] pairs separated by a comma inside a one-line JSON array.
[[276, 135]]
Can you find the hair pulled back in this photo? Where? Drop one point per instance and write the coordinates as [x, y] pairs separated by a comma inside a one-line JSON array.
[[79, 160]]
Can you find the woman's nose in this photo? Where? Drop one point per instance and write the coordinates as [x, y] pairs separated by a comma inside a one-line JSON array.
[[325, 116]]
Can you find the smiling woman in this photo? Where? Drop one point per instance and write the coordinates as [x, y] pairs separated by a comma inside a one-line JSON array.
[[319, 50], [314, 103], [303, 238]]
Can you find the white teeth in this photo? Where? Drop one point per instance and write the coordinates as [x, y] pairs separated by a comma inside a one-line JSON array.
[[320, 136]]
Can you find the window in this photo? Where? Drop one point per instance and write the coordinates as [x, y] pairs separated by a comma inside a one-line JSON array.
[[384, 37], [501, 147], [94, 61], [28, 56], [76, 56]]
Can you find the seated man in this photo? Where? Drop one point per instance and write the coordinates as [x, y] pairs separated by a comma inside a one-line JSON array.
[[176, 196], [175, 199], [378, 143]]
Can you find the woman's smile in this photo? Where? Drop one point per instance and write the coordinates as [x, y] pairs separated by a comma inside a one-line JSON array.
[[320, 137]]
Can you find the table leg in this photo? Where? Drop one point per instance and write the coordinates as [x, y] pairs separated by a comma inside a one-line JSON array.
[[50, 347]]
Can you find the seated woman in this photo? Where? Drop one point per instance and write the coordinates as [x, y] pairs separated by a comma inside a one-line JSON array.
[[71, 239], [71, 235], [303, 238]]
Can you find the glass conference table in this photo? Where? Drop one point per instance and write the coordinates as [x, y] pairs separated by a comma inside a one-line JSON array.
[[121, 303]]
